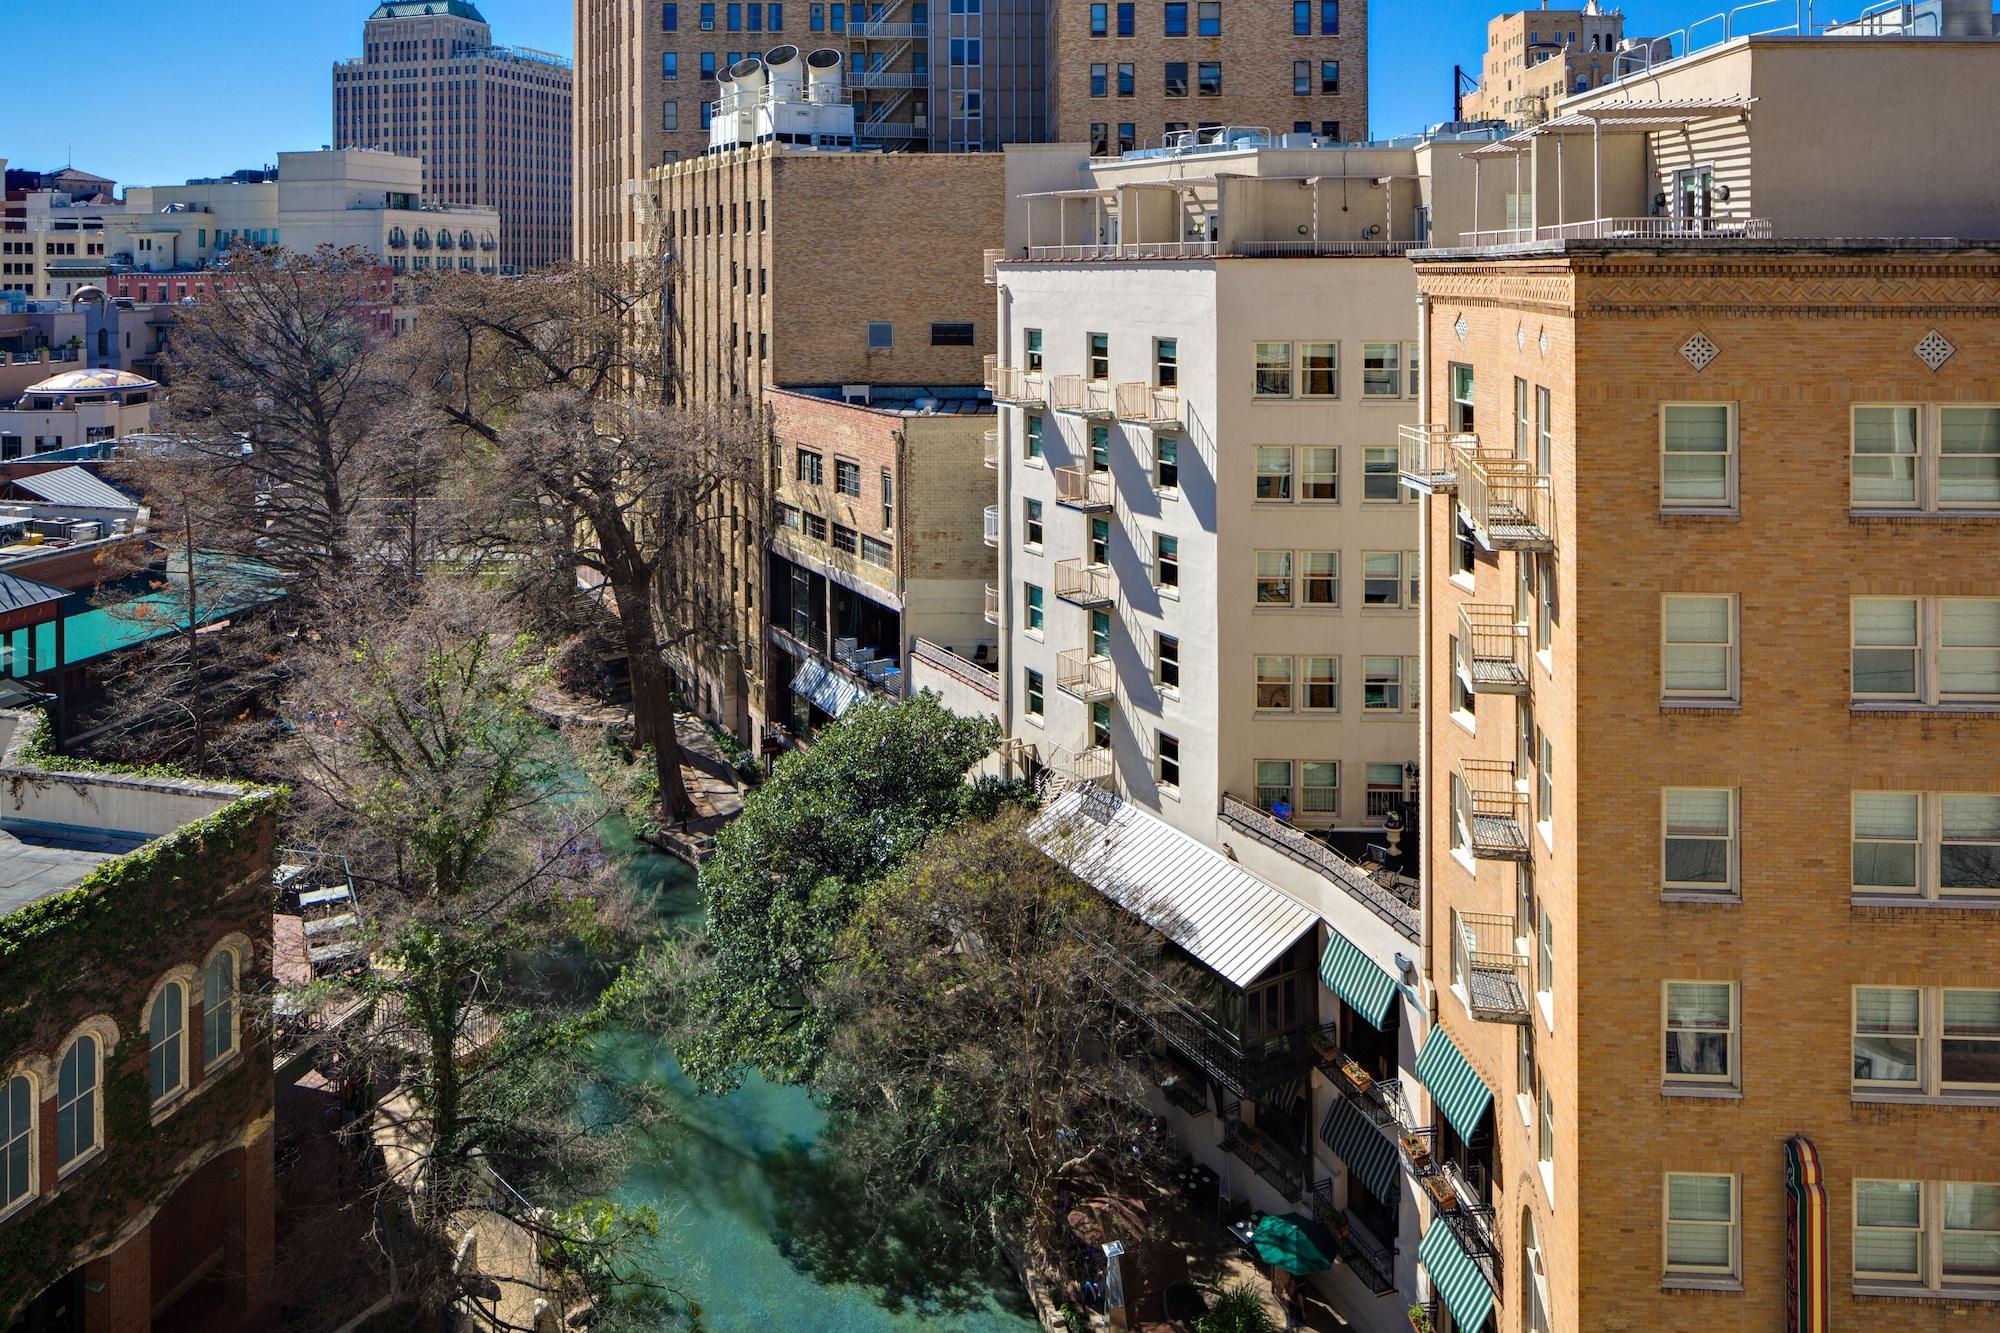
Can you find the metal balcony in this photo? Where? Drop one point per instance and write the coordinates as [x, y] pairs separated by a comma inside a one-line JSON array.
[[1470, 1219], [1507, 503], [1092, 764], [1378, 1099], [1399, 910], [1492, 649], [1375, 1266], [1428, 457], [1011, 384], [1147, 406], [1081, 583], [1074, 393], [1083, 488], [1279, 1163], [992, 604], [992, 260], [992, 439], [1086, 677], [1492, 814], [1496, 975], [992, 525]]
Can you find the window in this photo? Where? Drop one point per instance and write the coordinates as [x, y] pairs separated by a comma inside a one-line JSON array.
[[1319, 787], [1031, 348], [847, 477], [708, 64], [888, 500], [1274, 472], [1274, 578], [1128, 83], [1100, 448], [1319, 370], [1274, 684], [1100, 634], [846, 539], [1931, 650], [1166, 561], [1545, 1153], [1166, 363], [1176, 18], [1098, 356], [1464, 397], [76, 1102], [670, 17], [1208, 78], [1699, 654], [1524, 425], [1302, 73], [1031, 686], [953, 334], [1274, 370], [166, 1043], [1464, 546], [1329, 77], [1697, 456], [1382, 578], [1920, 458], [1545, 428], [1177, 78], [1167, 661], [1382, 684], [881, 335], [1166, 463], [1545, 959], [1322, 684], [1381, 370], [1100, 726], [1698, 842], [1545, 778], [1128, 136], [708, 18], [1100, 138], [1463, 701], [809, 467], [218, 1009], [1125, 18], [1032, 436], [1888, 1037], [1100, 80], [1926, 845], [735, 19], [1100, 541], [1274, 787], [1170, 760], [877, 552], [1320, 578], [1329, 18], [1700, 1026], [1031, 523], [1302, 18], [1968, 464], [1888, 1230], [1100, 20], [670, 117], [18, 1145], [670, 65], [1031, 604], [1701, 1226]]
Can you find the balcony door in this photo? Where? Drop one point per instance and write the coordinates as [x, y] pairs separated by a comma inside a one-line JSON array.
[[1694, 192]]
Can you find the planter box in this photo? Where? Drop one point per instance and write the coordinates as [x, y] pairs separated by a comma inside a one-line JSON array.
[[1357, 1077], [1442, 1194]]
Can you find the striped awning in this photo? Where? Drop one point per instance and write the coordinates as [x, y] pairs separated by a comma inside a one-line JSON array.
[[1356, 978], [1358, 1143], [1454, 1085], [1456, 1277], [834, 693]]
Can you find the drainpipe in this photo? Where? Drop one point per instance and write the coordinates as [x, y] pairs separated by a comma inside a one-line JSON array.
[[1004, 475]]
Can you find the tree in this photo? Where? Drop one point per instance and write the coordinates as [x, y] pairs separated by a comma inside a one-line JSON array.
[[789, 874]]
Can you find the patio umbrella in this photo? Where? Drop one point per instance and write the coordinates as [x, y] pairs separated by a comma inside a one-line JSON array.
[[1294, 1243]]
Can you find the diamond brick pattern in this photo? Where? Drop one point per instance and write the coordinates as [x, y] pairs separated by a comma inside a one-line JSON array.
[[1700, 350], [1935, 350]]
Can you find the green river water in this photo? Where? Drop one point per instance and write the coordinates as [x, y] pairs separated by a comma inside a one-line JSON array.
[[719, 1183]]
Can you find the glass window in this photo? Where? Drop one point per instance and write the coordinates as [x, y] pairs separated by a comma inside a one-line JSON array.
[[1274, 370], [1100, 20], [1125, 18], [1319, 787], [1884, 459], [1464, 393], [1329, 77], [218, 1009], [1381, 370], [1208, 78], [76, 1102], [1100, 540], [1700, 646], [17, 1140], [1274, 683], [1969, 853], [1545, 427], [1031, 602], [1176, 18], [1031, 344], [1274, 472], [1302, 78], [1970, 1248], [1700, 1031], [1166, 560], [808, 470], [1301, 18], [1382, 578], [1329, 18], [1888, 1229], [166, 1026], [1887, 832], [670, 65], [1700, 839], [1321, 576], [1166, 463], [1031, 522], [1969, 648], [1170, 760], [847, 477], [1166, 363], [1319, 369], [881, 335], [1696, 461], [1969, 457], [1888, 1036], [1322, 684], [1167, 661], [1031, 683], [1886, 647], [1033, 435], [1969, 1043], [1382, 684], [1100, 634], [1274, 578], [1100, 80], [1099, 356], [1176, 81], [1274, 786], [1319, 473], [1701, 1224], [1128, 84]]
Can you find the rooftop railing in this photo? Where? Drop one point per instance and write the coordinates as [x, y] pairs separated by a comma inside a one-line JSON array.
[[1308, 851], [1627, 229]]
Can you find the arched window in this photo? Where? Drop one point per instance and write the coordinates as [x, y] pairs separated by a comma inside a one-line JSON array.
[[465, 240], [166, 1043], [218, 1009], [76, 1102], [17, 1141], [1534, 1279]]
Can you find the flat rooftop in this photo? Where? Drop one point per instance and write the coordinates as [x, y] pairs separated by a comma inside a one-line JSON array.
[[38, 861], [1853, 246], [910, 400]]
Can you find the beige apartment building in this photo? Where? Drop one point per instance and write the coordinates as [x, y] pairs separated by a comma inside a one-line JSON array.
[[1536, 57], [1712, 688]]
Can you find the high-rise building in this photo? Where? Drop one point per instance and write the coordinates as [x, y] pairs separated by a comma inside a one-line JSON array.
[[1537, 57], [1712, 698], [491, 124]]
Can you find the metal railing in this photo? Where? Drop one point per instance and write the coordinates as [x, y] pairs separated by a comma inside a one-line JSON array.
[[1148, 405], [1492, 649], [1083, 488], [1320, 249], [875, 30], [992, 447], [1496, 975], [1427, 456], [1245, 1068], [1471, 1221], [1316, 856], [1384, 801], [1507, 502], [888, 78], [1663, 228], [992, 604], [1091, 764], [1125, 250], [1074, 393], [1011, 384], [1492, 813], [976, 674], [991, 264], [1379, 1099], [1082, 583], [1375, 1265], [1086, 677], [992, 525], [1283, 1166]]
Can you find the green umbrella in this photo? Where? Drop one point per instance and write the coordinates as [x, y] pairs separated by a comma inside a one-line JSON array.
[[1294, 1243]]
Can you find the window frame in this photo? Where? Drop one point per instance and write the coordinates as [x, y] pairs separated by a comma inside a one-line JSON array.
[[1263, 681], [1731, 886], [1167, 768], [1391, 688], [1731, 1034], [1729, 503], [214, 1055], [846, 470], [1286, 577], [94, 1092], [1734, 1224], [1396, 599], [1167, 562], [1166, 662], [1034, 610], [1311, 678], [1329, 351], [1264, 370], [1731, 646], [1926, 457], [27, 1134], [171, 1049], [1310, 478], [1929, 656]]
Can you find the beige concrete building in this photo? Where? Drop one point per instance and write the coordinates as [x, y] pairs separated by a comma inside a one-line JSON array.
[[75, 407], [1711, 662], [1537, 57], [52, 232], [491, 124]]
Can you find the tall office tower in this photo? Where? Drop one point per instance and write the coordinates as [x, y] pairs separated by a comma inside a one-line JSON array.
[[1713, 700], [491, 124]]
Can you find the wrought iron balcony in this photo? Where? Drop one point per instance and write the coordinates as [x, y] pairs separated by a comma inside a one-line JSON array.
[[1086, 677], [1399, 911], [1283, 1166], [1492, 814], [1470, 1219], [1081, 583], [1375, 1265], [1495, 973], [1074, 393], [992, 443], [1508, 504], [1492, 649], [1417, 1146], [992, 604], [1378, 1099], [1428, 457], [1083, 488], [992, 525], [1148, 406]]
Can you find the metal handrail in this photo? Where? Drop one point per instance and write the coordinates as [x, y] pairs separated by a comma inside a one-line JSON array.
[[1489, 942], [1083, 487], [992, 615], [1083, 582], [1084, 675], [1431, 452], [1488, 633], [1665, 227], [1074, 393], [1490, 792], [1126, 250], [1091, 764], [1148, 404], [1507, 502]]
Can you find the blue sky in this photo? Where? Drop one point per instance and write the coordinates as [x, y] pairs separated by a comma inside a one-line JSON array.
[[148, 93]]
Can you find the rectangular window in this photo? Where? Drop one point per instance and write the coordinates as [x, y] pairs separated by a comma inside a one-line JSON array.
[[1274, 578], [1031, 683], [952, 334], [815, 527], [1319, 788], [1697, 456], [1100, 448], [735, 13], [1381, 578], [1208, 78], [1100, 541], [1322, 684], [1968, 462], [1100, 20], [1379, 471], [1969, 1044], [1128, 81], [1100, 634], [1177, 78], [1700, 1025], [670, 115], [1274, 787], [1166, 463], [1883, 457], [1031, 351], [1302, 18], [1319, 370], [1888, 1037], [1097, 358], [1329, 77], [1524, 425], [1166, 560], [1321, 577], [1032, 435], [1329, 18], [1698, 852], [1545, 431], [1319, 473], [708, 64], [670, 65], [1926, 650], [1970, 1249], [888, 501], [816, 18], [809, 470], [1166, 363], [847, 477], [1031, 607], [1176, 18], [1698, 658], [1100, 80], [1701, 1225], [1913, 845], [1382, 684], [1274, 472], [1274, 370], [1126, 18], [670, 17], [1302, 74], [1128, 136], [1274, 684], [1167, 661], [1464, 399], [846, 539], [1031, 523], [708, 18], [1907, 457], [1889, 1230], [881, 335], [1170, 760], [1381, 370], [1545, 778]]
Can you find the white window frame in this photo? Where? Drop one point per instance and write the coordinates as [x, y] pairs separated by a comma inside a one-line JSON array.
[[1289, 476], [1731, 645], [1259, 680], [1289, 578], [1920, 1230], [1258, 369], [1734, 1225], [1303, 476], [1926, 460], [1167, 556], [1928, 841], [1400, 370], [1732, 1042], [30, 1131], [1732, 885], [1929, 650], [1930, 1230], [1306, 575], [98, 1040], [1397, 586], [1331, 815], [1160, 761], [1929, 1082], [1172, 687], [1307, 680], [1303, 383], [214, 1054], [1726, 505], [1034, 609], [175, 1044], [1395, 684]]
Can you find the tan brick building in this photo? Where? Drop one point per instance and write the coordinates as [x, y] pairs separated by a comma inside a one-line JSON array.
[[1537, 57], [1712, 687]]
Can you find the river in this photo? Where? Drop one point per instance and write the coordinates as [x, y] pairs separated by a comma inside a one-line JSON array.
[[727, 1164]]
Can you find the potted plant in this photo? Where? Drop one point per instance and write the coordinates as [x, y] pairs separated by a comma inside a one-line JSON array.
[[1325, 1047], [1420, 1319], [1417, 1151], [1441, 1192], [1357, 1077]]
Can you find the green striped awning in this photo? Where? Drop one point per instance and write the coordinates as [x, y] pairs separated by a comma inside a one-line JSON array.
[[1356, 1142], [1454, 1085], [1456, 1277], [1356, 978]]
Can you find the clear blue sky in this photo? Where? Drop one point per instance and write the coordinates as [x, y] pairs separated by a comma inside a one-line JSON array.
[[151, 94]]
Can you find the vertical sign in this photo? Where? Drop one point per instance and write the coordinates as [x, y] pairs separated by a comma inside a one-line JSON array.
[[1805, 1239]]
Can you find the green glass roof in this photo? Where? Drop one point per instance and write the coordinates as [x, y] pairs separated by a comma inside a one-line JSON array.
[[405, 9]]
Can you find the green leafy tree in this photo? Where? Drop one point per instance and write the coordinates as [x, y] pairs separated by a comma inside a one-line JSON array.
[[789, 874]]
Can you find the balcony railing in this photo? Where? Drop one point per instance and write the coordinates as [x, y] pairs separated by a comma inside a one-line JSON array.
[[1246, 1068], [992, 525], [1088, 678], [1496, 975], [872, 31], [1385, 801], [1149, 406], [1125, 250], [1379, 1099], [1248, 818], [1082, 583], [1011, 384], [992, 260], [1628, 229], [1372, 1263], [1083, 488], [992, 604], [1091, 764], [888, 78], [992, 444], [1283, 1166], [1508, 504], [1428, 459], [1074, 393], [1470, 1220], [1492, 813], [1492, 649]]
